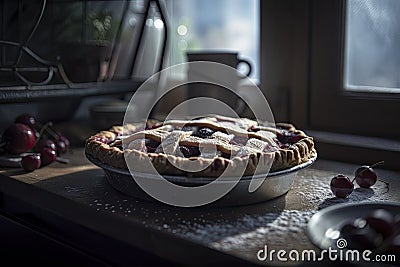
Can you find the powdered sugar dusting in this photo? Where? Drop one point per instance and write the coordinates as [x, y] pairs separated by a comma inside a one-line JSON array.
[[314, 190], [289, 225], [249, 233]]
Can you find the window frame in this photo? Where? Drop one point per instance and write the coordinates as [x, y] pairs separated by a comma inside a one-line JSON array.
[[301, 71], [284, 62], [362, 113], [296, 38]]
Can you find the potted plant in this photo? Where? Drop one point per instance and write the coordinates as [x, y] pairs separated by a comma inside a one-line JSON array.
[[87, 60]]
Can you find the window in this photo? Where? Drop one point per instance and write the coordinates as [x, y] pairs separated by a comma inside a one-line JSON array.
[[304, 73], [307, 73], [372, 46], [338, 69], [210, 24]]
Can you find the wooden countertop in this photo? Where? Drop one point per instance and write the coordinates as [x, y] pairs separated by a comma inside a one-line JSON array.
[[76, 203]]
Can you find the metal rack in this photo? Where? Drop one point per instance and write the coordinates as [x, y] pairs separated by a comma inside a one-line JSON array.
[[16, 68], [49, 87]]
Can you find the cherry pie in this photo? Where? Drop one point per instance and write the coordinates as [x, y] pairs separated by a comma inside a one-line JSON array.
[[210, 144]]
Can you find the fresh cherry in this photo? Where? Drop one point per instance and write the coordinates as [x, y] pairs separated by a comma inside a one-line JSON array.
[[381, 221], [204, 132], [48, 156], [366, 176], [62, 143], [31, 162], [364, 238], [61, 148], [360, 235], [42, 143], [341, 186], [18, 138], [189, 151], [395, 245], [352, 227], [377, 230], [65, 140], [28, 120], [397, 223]]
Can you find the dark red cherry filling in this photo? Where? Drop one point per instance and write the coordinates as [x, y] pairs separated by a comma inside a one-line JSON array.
[[287, 137], [269, 148], [204, 132], [254, 129], [151, 145], [101, 139], [189, 151], [282, 145], [150, 126]]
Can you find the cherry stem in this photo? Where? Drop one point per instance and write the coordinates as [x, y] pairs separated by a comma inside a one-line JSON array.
[[62, 160], [386, 183], [377, 164], [42, 129], [372, 166], [47, 128], [52, 132]]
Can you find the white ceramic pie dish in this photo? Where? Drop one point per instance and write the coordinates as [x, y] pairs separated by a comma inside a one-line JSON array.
[[275, 184]]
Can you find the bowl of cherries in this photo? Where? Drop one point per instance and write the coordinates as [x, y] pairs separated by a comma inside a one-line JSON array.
[[373, 226], [31, 145]]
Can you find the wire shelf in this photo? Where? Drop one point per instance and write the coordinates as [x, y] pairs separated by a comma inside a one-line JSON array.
[[26, 72]]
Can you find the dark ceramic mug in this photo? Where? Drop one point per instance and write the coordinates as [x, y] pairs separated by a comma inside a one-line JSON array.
[[226, 76], [230, 58]]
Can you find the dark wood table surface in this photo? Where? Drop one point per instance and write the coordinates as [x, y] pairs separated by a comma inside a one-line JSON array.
[[75, 205]]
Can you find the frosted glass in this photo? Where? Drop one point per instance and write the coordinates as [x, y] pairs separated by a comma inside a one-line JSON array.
[[372, 46]]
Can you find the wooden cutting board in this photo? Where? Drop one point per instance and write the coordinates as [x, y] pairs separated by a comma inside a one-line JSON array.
[[77, 164]]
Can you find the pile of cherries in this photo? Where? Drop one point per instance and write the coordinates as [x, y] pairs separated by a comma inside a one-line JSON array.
[[41, 144], [380, 230], [365, 176]]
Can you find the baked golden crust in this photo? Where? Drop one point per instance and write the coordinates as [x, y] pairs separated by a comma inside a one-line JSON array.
[[263, 146]]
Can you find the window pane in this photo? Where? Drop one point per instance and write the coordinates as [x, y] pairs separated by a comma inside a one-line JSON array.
[[211, 24], [372, 48]]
